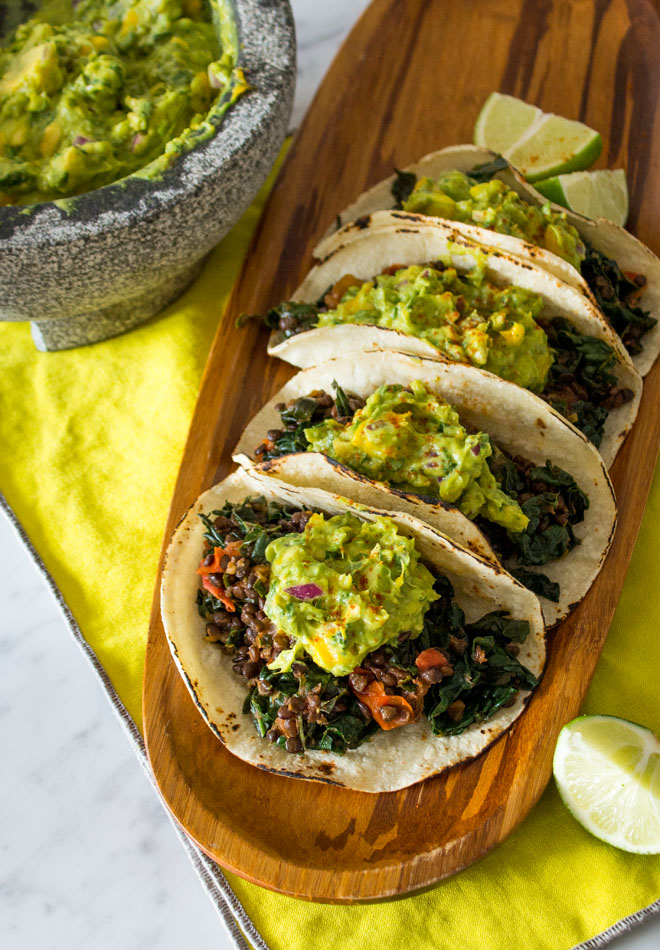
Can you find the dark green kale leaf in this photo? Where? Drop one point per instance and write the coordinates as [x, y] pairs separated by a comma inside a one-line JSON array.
[[346, 732], [402, 186], [538, 583], [341, 401], [582, 378], [506, 472], [498, 623], [615, 294], [486, 676], [554, 477], [585, 416], [443, 618], [488, 170], [287, 318], [300, 412], [297, 417], [538, 544]]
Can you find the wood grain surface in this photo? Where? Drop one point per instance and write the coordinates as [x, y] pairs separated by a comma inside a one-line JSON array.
[[410, 78]]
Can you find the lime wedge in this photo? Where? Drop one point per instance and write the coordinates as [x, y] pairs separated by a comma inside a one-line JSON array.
[[539, 144], [608, 774], [503, 120], [599, 194], [554, 146]]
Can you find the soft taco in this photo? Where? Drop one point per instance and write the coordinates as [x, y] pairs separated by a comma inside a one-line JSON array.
[[423, 288], [488, 201], [324, 640], [486, 463]]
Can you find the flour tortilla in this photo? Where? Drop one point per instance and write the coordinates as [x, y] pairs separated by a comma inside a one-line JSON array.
[[389, 760], [374, 248], [519, 422], [605, 236]]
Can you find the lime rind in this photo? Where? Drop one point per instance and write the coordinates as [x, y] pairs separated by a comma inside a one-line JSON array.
[[551, 189], [554, 146], [607, 771]]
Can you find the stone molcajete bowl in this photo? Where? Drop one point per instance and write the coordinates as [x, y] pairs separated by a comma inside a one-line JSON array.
[[110, 259]]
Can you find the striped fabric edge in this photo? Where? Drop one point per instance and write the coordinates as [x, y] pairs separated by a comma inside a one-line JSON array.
[[238, 924]]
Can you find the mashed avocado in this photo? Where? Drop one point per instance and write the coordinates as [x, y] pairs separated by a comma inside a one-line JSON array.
[[466, 317], [96, 95], [413, 440], [493, 205], [372, 588]]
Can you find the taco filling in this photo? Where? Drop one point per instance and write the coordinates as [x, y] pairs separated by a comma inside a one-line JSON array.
[[469, 319], [478, 198], [339, 630], [413, 441]]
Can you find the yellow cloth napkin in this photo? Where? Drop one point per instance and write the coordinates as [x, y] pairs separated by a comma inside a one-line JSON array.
[[91, 442]]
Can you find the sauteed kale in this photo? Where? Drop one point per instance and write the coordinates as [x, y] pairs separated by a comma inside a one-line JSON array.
[[548, 496], [455, 673], [617, 296]]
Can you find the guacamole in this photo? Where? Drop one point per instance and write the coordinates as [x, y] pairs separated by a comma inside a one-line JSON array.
[[466, 317], [344, 587], [413, 440], [97, 95], [493, 205]]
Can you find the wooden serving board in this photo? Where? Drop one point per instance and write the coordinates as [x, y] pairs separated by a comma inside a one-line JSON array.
[[411, 78]]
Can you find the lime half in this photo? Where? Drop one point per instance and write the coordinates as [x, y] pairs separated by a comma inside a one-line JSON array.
[[608, 774], [599, 194], [539, 144]]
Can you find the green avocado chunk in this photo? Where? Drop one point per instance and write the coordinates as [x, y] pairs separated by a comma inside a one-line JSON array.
[[495, 206], [344, 587], [465, 316], [414, 441], [96, 95]]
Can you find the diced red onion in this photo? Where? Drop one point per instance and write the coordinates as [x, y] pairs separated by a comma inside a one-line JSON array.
[[138, 138], [304, 591], [476, 449], [215, 81], [81, 140]]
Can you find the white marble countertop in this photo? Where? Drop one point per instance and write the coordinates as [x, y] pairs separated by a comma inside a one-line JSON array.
[[88, 856]]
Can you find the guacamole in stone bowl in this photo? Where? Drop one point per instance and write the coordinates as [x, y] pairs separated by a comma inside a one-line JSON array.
[[133, 133]]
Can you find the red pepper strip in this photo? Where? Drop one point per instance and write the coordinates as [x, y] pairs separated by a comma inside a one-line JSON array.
[[219, 593], [427, 659], [232, 549], [375, 697]]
